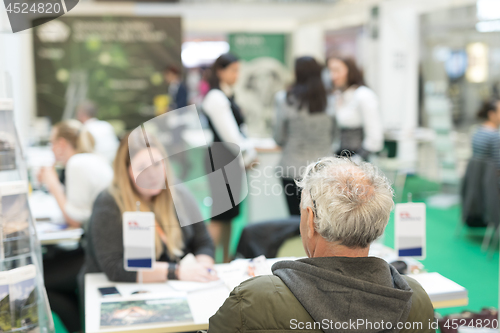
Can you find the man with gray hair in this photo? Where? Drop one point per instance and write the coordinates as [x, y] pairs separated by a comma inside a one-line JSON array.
[[344, 207], [106, 142]]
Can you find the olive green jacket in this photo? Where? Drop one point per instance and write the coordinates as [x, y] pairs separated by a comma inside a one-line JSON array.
[[266, 304]]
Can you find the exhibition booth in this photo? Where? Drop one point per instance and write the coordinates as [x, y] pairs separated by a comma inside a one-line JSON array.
[[430, 62]]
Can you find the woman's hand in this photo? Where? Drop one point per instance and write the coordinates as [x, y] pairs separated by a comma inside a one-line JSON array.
[[205, 260], [48, 176], [255, 163], [195, 271]]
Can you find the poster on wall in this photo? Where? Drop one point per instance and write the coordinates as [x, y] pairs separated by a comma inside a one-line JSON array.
[[263, 73], [115, 61]]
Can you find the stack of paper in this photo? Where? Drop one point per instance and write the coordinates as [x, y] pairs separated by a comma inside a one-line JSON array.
[[439, 288], [44, 207]]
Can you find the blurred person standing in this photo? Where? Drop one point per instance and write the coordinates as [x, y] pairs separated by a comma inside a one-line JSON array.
[[486, 139], [302, 127], [87, 174], [204, 86], [356, 109], [177, 89], [176, 123], [227, 124], [479, 191], [106, 142]]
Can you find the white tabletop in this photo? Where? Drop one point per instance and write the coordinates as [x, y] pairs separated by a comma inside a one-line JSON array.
[[203, 303], [205, 299], [49, 220]]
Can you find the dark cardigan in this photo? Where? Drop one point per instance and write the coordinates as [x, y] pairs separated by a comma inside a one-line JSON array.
[[105, 238]]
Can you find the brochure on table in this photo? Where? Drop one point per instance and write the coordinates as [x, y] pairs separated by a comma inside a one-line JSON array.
[[145, 310]]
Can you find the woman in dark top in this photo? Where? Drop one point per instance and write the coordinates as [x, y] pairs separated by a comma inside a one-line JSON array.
[[227, 124], [105, 235], [486, 139]]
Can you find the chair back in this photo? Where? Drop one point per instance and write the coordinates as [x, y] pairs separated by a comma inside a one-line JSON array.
[[480, 194]]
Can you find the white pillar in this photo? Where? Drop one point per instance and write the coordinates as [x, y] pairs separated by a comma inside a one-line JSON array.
[[398, 74], [16, 59], [308, 40]]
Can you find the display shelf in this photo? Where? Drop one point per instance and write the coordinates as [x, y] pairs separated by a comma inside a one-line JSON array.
[[24, 304]]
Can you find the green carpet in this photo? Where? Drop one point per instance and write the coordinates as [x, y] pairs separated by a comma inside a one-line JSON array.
[[58, 325], [458, 258]]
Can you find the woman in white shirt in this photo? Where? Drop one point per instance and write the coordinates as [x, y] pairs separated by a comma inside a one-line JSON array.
[[86, 174], [227, 124], [357, 111]]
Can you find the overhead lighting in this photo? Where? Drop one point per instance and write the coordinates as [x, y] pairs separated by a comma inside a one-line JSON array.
[[477, 71], [488, 10], [488, 26], [196, 54]]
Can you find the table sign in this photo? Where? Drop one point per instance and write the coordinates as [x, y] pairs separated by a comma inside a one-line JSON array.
[[410, 230], [138, 240]]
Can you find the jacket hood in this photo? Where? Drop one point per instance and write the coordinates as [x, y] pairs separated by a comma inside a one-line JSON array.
[[347, 290]]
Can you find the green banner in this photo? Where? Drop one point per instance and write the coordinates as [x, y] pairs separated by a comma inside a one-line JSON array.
[[249, 46], [115, 61]]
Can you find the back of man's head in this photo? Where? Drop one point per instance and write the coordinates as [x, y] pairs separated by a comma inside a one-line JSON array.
[[86, 110], [351, 202]]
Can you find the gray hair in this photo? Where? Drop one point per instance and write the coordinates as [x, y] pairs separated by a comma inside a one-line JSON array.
[[351, 202], [88, 108]]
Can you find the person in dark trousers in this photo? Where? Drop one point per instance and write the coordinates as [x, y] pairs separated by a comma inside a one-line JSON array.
[[178, 93], [345, 206], [177, 89], [227, 124], [302, 127]]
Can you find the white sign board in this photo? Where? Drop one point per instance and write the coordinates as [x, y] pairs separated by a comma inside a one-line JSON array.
[[139, 240], [410, 230]]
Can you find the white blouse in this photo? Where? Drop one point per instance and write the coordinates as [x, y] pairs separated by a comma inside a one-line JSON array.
[[106, 142], [217, 107], [358, 108], [87, 175]]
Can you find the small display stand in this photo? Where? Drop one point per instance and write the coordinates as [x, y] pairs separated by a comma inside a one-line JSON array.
[[24, 305]]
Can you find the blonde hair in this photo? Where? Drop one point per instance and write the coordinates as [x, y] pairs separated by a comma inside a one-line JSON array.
[[76, 134], [162, 204]]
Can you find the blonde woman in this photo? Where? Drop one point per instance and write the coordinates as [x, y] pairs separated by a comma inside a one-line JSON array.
[[86, 174], [105, 236]]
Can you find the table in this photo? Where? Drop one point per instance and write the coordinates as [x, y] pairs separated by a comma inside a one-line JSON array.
[[58, 237], [49, 220], [443, 292], [203, 301], [265, 200], [203, 304]]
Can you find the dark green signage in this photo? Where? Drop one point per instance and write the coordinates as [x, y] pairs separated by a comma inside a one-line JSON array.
[[115, 61], [249, 46]]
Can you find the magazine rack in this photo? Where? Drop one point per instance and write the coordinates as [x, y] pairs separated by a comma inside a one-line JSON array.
[[24, 304]]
